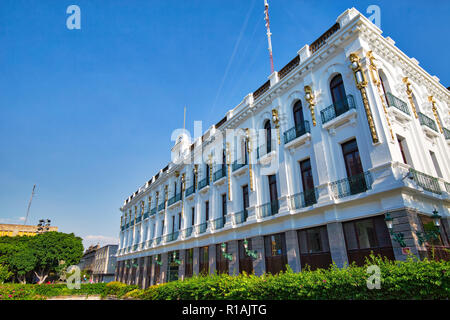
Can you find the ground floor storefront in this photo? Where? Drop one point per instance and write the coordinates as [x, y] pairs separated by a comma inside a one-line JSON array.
[[315, 247]]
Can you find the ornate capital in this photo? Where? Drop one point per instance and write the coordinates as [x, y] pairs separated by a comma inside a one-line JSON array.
[[309, 97]]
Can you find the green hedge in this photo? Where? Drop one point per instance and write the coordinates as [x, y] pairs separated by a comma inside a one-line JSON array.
[[411, 279], [399, 280]]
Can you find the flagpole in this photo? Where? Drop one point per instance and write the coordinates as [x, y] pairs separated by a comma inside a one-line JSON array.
[[269, 40]]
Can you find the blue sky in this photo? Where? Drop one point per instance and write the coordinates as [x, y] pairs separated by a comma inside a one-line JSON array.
[[87, 114]]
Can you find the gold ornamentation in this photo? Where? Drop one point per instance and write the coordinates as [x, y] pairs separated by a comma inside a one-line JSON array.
[[276, 121], [433, 107], [142, 207], [196, 176], [376, 81], [309, 96], [229, 169], [149, 203], [361, 84], [249, 150], [410, 97], [210, 156]]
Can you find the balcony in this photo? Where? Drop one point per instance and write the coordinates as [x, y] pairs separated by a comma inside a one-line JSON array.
[[219, 223], [446, 133], [189, 191], [171, 236], [149, 243], [138, 219], [153, 211], [397, 103], [352, 185], [174, 199], [201, 228], [161, 206], [203, 183], [269, 209], [298, 135], [158, 240], [237, 164], [241, 216], [338, 108], [146, 215], [427, 182], [428, 126], [187, 232], [135, 247], [219, 174], [304, 199]]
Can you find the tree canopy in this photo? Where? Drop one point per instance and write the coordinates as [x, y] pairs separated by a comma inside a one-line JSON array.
[[39, 255]]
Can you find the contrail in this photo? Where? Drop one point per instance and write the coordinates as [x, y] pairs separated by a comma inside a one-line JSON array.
[[232, 56]]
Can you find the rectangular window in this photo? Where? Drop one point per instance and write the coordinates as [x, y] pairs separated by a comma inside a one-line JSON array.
[[246, 201], [204, 262], [188, 271], [436, 164], [308, 182], [192, 216], [179, 220], [403, 149], [314, 247], [206, 210], [245, 262], [275, 248], [224, 205], [353, 166], [367, 235]]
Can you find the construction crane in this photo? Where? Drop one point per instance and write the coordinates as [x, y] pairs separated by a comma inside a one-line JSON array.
[[29, 204]]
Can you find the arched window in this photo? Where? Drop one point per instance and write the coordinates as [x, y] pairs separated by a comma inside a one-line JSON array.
[[298, 114], [224, 159], [194, 178], [338, 93], [384, 82], [268, 130], [207, 173], [416, 104]]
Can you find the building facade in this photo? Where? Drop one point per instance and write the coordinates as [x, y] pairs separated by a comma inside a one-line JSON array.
[[306, 170], [87, 261], [104, 265], [13, 230]]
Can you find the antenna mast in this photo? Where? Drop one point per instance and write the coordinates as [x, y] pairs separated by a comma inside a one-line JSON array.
[[29, 204], [266, 12]]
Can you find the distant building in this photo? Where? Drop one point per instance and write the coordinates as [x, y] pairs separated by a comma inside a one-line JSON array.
[[88, 259], [12, 230], [105, 263]]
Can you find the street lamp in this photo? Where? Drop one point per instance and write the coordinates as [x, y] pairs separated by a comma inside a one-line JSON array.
[[436, 218], [174, 258], [397, 236], [157, 261], [224, 252], [251, 253]]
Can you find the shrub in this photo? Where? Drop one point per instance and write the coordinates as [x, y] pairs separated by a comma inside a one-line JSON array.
[[117, 289], [5, 274]]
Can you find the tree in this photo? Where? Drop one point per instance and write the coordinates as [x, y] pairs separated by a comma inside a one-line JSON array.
[[54, 251], [22, 263], [5, 274]]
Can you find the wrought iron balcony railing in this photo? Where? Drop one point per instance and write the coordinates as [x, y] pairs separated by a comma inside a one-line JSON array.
[[446, 133], [219, 222], [161, 206], [237, 164], [426, 181], [241, 216], [174, 199], [201, 228], [203, 183], [153, 211], [158, 240], [424, 120], [222, 172], [189, 191], [138, 219], [393, 101], [304, 199], [171, 236], [149, 243], [135, 247], [269, 209], [187, 232], [146, 215], [352, 185], [337, 108], [296, 132]]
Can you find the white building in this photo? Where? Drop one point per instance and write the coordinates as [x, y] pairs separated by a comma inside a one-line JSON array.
[[104, 266], [357, 132]]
